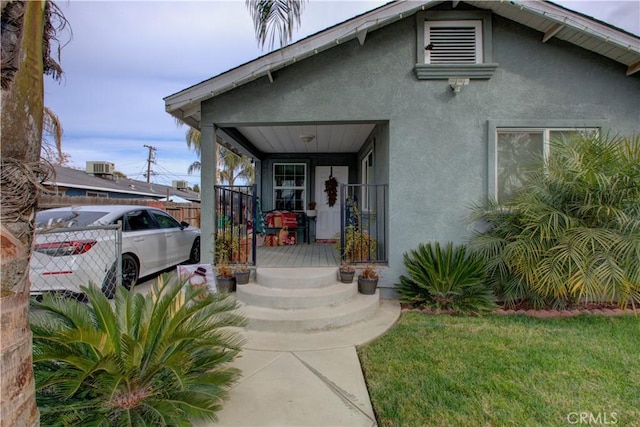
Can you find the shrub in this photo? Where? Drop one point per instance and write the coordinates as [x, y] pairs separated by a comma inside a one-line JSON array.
[[452, 279], [573, 233], [359, 245], [158, 359]]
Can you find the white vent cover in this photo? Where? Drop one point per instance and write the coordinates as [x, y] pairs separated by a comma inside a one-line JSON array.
[[180, 185], [100, 168], [453, 42]]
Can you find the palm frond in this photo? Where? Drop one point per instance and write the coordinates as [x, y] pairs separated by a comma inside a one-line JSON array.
[[275, 19], [153, 359]]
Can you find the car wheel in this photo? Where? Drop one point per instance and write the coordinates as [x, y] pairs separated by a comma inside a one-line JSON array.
[[194, 255], [109, 283], [130, 271]]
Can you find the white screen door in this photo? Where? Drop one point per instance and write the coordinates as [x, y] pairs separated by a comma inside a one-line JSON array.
[[328, 219]]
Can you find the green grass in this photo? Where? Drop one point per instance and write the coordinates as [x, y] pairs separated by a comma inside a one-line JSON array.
[[505, 371]]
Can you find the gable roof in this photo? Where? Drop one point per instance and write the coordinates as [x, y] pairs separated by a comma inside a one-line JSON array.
[[76, 178], [550, 19]]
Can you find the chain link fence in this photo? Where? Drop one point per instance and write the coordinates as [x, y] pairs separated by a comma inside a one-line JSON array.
[[64, 259]]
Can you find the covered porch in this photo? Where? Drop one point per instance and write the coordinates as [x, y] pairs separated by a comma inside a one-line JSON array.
[[302, 255]]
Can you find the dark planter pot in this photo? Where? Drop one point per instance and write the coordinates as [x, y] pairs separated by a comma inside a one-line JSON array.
[[242, 277], [346, 276], [226, 284], [367, 286]]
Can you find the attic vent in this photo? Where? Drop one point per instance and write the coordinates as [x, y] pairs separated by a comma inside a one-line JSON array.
[[100, 168], [180, 185], [453, 42]]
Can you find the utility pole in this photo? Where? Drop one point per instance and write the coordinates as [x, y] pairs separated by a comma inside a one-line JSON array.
[[150, 159]]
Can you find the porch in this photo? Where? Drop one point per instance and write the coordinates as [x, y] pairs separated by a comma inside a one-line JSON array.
[[301, 255]]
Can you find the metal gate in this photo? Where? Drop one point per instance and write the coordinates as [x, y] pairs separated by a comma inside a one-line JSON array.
[[363, 223], [235, 235]]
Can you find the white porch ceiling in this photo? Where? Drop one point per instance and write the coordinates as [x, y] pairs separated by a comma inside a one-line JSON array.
[[328, 138]]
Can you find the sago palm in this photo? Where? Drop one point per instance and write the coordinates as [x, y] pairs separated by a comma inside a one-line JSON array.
[[158, 359], [573, 232], [452, 278]]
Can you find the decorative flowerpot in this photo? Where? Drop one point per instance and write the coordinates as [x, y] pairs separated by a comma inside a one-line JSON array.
[[226, 284], [312, 213], [347, 276], [242, 277], [367, 286]]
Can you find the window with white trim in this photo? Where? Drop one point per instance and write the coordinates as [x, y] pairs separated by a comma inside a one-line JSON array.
[[518, 149], [289, 186], [453, 42], [97, 194], [367, 178]]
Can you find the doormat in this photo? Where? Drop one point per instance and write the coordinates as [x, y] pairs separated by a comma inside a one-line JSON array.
[[326, 241]]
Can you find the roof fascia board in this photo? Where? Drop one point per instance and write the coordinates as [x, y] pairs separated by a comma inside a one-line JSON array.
[[312, 45], [592, 27]]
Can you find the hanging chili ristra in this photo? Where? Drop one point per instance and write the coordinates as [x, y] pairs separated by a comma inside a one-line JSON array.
[[331, 188]]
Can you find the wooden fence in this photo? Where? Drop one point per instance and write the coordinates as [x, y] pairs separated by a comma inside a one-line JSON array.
[[189, 212]]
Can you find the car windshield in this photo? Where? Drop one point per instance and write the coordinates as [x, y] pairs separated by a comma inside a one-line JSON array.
[[70, 218]]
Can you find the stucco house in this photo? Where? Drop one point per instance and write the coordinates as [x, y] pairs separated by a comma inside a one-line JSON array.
[[419, 105]]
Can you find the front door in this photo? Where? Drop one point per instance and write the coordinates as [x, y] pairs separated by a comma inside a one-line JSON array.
[[328, 219]]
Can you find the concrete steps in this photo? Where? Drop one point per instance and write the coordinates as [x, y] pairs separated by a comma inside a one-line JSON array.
[[303, 300]]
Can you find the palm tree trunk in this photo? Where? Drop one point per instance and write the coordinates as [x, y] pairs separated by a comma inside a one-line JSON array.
[[21, 139]]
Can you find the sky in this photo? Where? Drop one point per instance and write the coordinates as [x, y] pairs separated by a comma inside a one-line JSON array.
[[124, 57]]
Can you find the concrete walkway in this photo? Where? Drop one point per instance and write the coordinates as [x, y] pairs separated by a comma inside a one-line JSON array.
[[305, 379]]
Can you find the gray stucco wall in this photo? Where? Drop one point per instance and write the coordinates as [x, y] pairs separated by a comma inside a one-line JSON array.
[[436, 143]]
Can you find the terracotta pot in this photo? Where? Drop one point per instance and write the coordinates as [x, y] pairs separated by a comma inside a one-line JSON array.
[[225, 284], [367, 286], [346, 276]]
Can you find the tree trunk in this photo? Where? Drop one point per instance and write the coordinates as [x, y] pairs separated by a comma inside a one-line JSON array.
[[22, 105]]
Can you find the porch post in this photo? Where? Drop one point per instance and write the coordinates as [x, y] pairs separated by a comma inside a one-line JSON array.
[[208, 180]]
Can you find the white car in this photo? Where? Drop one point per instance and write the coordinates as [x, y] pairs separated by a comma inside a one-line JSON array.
[[69, 252]]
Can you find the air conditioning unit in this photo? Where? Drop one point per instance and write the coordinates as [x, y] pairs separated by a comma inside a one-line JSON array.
[[100, 168], [181, 185]]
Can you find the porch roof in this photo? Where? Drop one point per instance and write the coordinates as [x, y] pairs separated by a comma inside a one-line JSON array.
[[550, 19]]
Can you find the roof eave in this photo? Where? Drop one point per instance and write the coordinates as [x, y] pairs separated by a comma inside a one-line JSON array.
[[186, 102]]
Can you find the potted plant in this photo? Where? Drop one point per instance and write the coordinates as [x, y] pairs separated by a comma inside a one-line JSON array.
[[359, 245], [368, 280], [346, 272], [311, 212], [242, 274], [225, 280]]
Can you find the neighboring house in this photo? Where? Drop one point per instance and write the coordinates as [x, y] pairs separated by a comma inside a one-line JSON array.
[[98, 181], [442, 102]]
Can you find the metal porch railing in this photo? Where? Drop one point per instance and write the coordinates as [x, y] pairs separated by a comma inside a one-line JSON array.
[[235, 235], [364, 223]]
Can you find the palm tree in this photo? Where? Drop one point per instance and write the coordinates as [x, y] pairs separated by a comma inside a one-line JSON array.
[[273, 18], [573, 232], [231, 166], [157, 359], [52, 152], [28, 29]]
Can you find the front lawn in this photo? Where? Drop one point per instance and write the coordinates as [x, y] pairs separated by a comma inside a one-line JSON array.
[[505, 370]]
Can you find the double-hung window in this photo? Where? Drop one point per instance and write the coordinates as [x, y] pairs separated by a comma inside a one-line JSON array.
[[289, 186], [518, 150]]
